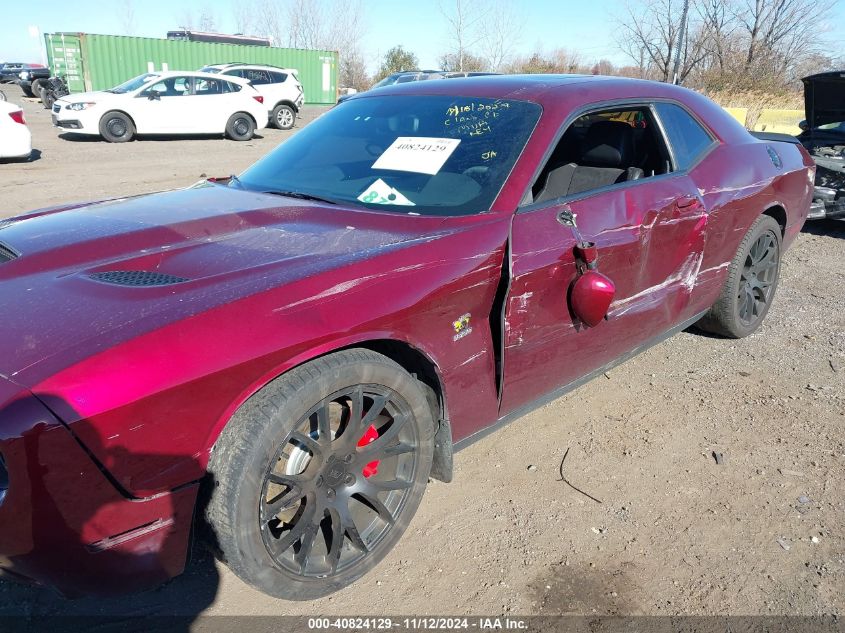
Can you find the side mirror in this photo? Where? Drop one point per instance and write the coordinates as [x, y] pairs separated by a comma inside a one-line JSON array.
[[591, 296], [155, 95], [803, 125]]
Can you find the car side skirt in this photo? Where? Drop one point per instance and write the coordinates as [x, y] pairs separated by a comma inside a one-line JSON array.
[[562, 391]]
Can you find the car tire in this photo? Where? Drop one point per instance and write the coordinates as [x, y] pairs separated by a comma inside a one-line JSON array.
[[117, 127], [294, 466], [751, 283], [240, 127], [283, 117], [36, 87], [47, 99], [27, 90]]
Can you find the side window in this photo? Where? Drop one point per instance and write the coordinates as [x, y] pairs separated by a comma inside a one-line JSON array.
[[237, 72], [209, 87], [257, 77], [600, 149], [688, 138], [170, 87], [230, 86], [278, 78]]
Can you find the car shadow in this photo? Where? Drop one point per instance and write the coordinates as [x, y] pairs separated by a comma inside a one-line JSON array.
[[34, 155], [87, 138], [829, 228], [56, 535]]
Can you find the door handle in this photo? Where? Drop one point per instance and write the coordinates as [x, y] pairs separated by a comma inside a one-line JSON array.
[[685, 202]]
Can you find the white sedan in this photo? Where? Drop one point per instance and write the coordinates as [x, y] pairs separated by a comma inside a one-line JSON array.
[[173, 102], [15, 138]]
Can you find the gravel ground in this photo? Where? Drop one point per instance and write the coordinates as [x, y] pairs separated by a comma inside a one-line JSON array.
[[675, 532]]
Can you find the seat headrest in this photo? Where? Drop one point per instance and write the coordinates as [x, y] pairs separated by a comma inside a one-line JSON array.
[[608, 144]]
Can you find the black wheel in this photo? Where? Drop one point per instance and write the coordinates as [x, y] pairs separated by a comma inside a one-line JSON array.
[[240, 127], [283, 117], [48, 98], [36, 87], [752, 280], [317, 476], [27, 90], [116, 127]]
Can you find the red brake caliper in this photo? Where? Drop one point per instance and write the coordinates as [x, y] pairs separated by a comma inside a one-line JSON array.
[[370, 435]]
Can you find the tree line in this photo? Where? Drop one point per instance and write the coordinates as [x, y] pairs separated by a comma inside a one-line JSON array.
[[710, 45]]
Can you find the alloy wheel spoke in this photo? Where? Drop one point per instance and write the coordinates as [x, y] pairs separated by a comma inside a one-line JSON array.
[[392, 484], [398, 449], [307, 441], [371, 499], [302, 524], [385, 439], [271, 508], [306, 543], [336, 547], [349, 527], [324, 429], [379, 402]]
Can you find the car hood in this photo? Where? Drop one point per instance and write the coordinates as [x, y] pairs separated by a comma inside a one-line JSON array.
[[824, 98], [84, 278], [85, 97]]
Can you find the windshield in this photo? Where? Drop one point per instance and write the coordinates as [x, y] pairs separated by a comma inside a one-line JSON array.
[[430, 155], [387, 81], [133, 84]]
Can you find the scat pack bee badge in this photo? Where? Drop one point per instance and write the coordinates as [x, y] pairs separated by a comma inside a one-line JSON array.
[[462, 327]]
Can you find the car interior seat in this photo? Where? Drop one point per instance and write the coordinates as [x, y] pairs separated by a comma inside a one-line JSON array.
[[606, 157]]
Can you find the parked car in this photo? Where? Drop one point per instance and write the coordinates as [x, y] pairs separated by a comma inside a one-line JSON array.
[[280, 88], [402, 77], [824, 137], [15, 137], [287, 356], [32, 79], [10, 71], [174, 102]]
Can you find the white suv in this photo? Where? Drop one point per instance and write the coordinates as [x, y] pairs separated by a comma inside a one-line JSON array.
[[280, 88]]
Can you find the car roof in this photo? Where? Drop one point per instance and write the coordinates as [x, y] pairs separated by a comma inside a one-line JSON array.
[[567, 93], [195, 73], [246, 65], [539, 88]]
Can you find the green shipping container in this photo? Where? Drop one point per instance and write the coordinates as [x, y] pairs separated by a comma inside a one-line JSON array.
[[99, 62]]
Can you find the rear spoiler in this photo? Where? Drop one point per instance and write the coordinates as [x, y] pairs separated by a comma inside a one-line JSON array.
[[774, 136]]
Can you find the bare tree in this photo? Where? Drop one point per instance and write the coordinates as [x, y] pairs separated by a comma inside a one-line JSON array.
[[464, 21], [779, 32], [650, 34], [500, 29], [243, 15], [127, 18], [207, 21]]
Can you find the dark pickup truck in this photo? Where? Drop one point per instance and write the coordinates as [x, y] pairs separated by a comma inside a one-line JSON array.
[[31, 80]]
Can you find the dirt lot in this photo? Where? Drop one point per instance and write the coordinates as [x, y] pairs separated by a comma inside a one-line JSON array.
[[675, 532]]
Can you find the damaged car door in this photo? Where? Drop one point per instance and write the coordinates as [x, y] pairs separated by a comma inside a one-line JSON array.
[[611, 180]]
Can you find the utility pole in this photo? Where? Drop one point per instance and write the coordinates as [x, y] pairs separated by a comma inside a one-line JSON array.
[[684, 15]]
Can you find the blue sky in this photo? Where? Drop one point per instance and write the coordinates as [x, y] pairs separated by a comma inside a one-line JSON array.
[[583, 26]]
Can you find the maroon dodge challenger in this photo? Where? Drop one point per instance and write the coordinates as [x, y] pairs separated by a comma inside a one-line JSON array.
[[279, 361]]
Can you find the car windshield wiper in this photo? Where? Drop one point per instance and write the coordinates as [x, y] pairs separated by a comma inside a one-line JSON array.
[[301, 195]]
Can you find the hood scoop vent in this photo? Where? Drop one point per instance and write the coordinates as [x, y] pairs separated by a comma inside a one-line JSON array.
[[7, 254], [137, 278]]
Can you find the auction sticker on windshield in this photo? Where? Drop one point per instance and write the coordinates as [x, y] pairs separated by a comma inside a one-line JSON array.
[[418, 154]]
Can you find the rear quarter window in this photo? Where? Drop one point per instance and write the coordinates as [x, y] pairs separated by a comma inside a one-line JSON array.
[[688, 138]]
